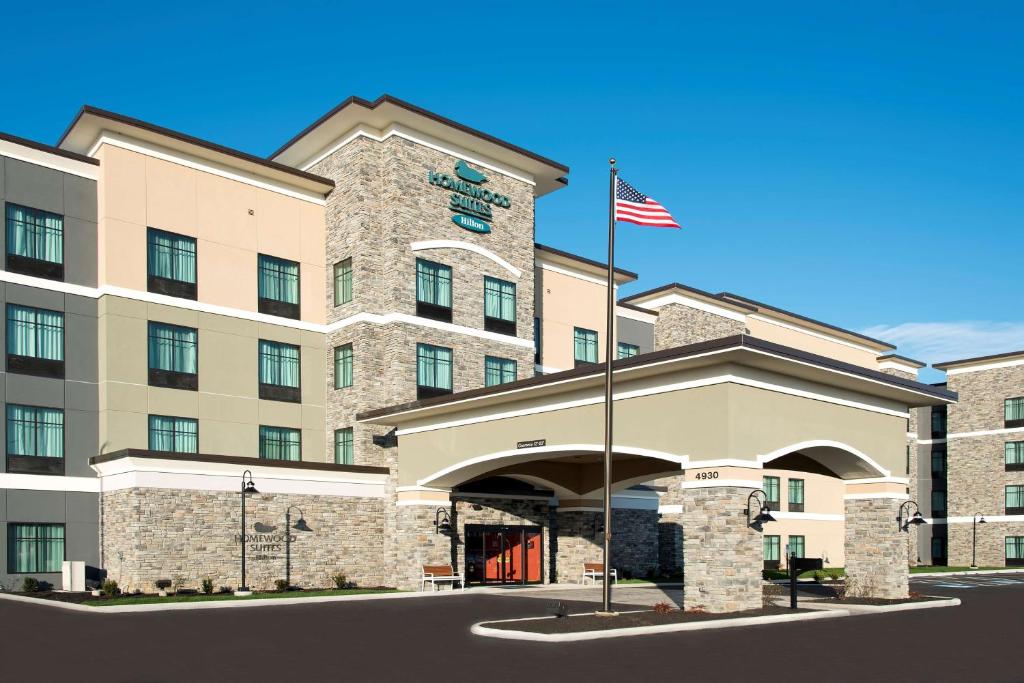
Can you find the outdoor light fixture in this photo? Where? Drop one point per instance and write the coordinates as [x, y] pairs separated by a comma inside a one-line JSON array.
[[978, 519], [764, 513], [442, 521], [916, 519], [288, 526], [248, 489]]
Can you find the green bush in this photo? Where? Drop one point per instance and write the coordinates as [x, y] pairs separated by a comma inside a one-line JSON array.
[[110, 588], [208, 586], [820, 576], [340, 581], [282, 584], [30, 585]]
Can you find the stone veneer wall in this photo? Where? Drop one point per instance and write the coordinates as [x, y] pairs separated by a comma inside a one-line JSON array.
[[723, 555], [679, 325], [918, 543], [670, 544], [150, 534], [876, 552], [976, 470], [579, 538]]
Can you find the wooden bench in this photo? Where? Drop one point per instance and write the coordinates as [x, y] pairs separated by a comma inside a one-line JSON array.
[[440, 573], [595, 571]]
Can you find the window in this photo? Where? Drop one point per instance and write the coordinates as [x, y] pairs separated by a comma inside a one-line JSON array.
[[35, 341], [796, 496], [35, 548], [35, 440], [278, 286], [343, 282], [280, 443], [498, 371], [938, 463], [628, 350], [771, 490], [279, 372], [499, 306], [939, 422], [173, 356], [1014, 456], [585, 345], [173, 434], [797, 545], [343, 446], [433, 371], [771, 552], [1015, 551], [342, 366], [35, 242], [536, 341], [1015, 499], [939, 552], [1014, 412], [938, 503], [433, 290], [171, 264]]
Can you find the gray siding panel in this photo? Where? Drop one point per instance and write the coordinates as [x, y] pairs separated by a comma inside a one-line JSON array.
[[80, 251], [636, 332], [34, 186], [81, 434]]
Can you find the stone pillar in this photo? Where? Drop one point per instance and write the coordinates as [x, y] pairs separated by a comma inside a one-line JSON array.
[[876, 550], [722, 556]]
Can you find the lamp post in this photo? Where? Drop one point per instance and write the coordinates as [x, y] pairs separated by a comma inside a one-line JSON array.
[[299, 526], [248, 488], [978, 519]]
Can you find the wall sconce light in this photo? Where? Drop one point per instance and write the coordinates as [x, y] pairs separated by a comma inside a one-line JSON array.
[[442, 521], [916, 519], [764, 514]]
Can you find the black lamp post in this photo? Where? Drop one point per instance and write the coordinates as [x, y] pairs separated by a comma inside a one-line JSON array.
[[764, 512], [916, 519], [248, 488], [978, 519], [299, 526]]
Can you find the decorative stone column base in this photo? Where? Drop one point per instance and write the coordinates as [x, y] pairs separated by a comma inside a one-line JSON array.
[[876, 551], [722, 556]]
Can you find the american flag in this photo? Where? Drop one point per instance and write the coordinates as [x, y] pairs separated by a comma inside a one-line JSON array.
[[633, 207]]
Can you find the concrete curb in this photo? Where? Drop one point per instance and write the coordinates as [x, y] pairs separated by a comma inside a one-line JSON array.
[[875, 609], [967, 572], [223, 604], [481, 630]]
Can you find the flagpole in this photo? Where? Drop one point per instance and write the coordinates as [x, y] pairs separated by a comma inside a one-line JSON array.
[[606, 601]]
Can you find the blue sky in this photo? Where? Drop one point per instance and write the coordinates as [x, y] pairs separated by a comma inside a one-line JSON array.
[[859, 163]]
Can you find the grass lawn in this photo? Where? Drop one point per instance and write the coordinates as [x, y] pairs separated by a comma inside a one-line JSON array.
[[155, 599], [929, 570]]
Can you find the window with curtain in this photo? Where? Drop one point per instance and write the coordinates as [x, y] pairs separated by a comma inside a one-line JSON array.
[[280, 443], [797, 546], [35, 432], [938, 422], [35, 548], [35, 332], [343, 453], [939, 552], [433, 370], [279, 364], [278, 279], [938, 503], [433, 290], [1014, 551], [938, 463], [173, 434], [771, 490], [585, 342], [343, 282], [35, 234], [498, 371], [1015, 499], [1014, 455], [342, 366], [628, 350], [499, 306], [1013, 409], [173, 348], [772, 550], [171, 256], [796, 495]]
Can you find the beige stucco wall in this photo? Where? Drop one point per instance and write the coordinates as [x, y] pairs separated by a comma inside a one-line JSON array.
[[563, 303], [812, 344], [232, 222], [227, 403]]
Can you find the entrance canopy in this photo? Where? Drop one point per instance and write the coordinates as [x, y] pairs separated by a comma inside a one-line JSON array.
[[732, 402]]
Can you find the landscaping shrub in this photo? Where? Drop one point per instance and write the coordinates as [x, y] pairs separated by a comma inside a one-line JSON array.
[[110, 588], [820, 576], [30, 585], [282, 584], [340, 581], [179, 583], [770, 593], [162, 584], [663, 608], [208, 586]]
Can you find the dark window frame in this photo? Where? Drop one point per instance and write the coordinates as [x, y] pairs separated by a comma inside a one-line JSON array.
[[352, 444], [497, 324], [12, 546], [433, 311], [263, 441], [1010, 424], [351, 281], [28, 265], [577, 362], [34, 365], [1014, 466], [157, 284], [776, 563], [172, 379], [424, 391], [174, 433], [790, 504], [504, 362], [1019, 510], [270, 391], [277, 307], [21, 463], [769, 503]]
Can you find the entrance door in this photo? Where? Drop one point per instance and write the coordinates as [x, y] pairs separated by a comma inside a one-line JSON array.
[[503, 554]]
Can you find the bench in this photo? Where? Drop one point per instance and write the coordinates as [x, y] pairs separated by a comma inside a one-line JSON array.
[[440, 573], [595, 571]]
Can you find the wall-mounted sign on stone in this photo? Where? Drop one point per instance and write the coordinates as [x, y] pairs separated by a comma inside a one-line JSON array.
[[265, 543], [469, 198]]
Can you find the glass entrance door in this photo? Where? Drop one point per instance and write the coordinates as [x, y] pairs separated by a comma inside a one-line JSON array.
[[503, 554]]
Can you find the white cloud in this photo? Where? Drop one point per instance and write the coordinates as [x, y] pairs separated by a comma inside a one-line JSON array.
[[938, 342]]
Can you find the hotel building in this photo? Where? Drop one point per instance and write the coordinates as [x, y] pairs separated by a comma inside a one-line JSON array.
[[365, 322]]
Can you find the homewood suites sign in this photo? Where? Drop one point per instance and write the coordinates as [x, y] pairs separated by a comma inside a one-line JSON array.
[[469, 198]]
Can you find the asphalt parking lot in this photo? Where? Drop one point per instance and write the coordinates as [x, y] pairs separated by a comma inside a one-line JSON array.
[[427, 639]]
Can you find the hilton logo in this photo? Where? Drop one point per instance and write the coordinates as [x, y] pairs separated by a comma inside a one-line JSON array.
[[469, 199]]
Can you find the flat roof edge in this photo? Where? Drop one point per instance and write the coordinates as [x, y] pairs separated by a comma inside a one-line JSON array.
[[233, 460], [43, 147], [978, 359]]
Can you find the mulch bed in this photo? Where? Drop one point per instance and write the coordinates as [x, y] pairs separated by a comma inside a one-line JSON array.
[[57, 596], [590, 622], [883, 601]]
